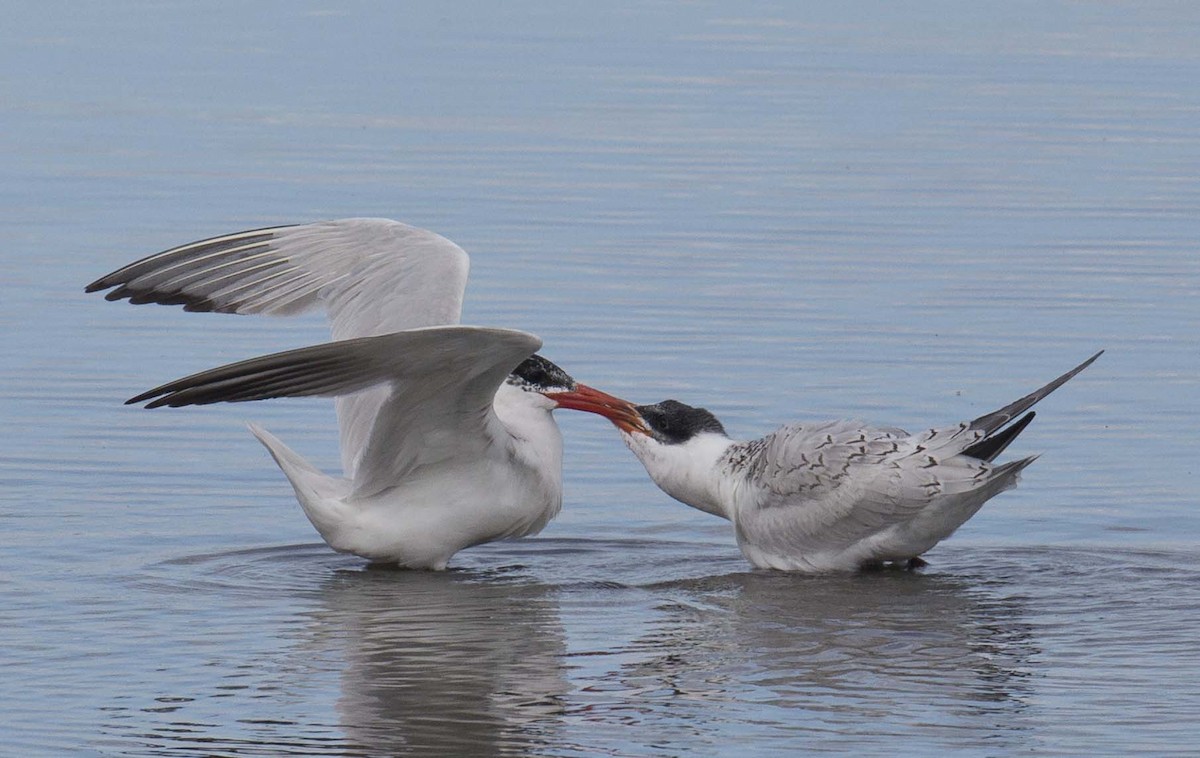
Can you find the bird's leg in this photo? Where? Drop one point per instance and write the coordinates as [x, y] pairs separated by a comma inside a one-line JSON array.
[[915, 563]]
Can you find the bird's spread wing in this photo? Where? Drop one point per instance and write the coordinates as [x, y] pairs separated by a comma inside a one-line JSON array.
[[438, 383], [372, 277]]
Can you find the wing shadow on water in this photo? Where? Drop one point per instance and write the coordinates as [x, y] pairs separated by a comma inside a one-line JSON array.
[[450, 663]]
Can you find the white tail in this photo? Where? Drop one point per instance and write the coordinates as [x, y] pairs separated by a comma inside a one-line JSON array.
[[320, 495]]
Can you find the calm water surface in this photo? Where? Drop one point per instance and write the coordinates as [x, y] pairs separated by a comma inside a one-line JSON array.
[[908, 216]]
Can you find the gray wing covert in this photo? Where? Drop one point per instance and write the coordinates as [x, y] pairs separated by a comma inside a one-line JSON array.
[[825, 486]]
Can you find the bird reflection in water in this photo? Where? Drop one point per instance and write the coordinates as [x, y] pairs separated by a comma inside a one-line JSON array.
[[888, 652], [444, 664]]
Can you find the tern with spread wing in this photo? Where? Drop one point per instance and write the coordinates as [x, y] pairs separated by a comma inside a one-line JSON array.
[[834, 496], [447, 438]]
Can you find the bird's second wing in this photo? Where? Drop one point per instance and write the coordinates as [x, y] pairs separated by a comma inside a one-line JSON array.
[[438, 384], [373, 276]]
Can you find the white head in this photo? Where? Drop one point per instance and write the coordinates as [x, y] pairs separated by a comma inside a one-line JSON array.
[[680, 446]]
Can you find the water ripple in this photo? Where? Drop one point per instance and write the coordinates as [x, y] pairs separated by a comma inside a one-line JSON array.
[[643, 641]]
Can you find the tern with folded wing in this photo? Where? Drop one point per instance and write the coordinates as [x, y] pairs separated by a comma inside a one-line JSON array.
[[833, 496]]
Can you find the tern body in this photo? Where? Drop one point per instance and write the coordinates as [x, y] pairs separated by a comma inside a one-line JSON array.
[[447, 437], [838, 495]]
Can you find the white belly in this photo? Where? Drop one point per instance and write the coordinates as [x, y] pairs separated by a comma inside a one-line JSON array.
[[425, 520]]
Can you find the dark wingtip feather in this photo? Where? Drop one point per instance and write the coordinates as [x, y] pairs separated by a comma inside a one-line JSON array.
[[195, 304], [149, 264], [989, 448], [303, 372], [142, 397], [992, 421]]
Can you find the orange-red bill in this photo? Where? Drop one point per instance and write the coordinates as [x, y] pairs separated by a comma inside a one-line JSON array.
[[622, 413]]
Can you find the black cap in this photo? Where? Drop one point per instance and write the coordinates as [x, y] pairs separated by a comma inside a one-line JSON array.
[[674, 422], [538, 374]]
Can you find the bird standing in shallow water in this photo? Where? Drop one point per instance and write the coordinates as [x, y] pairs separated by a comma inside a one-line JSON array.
[[446, 435], [833, 496]]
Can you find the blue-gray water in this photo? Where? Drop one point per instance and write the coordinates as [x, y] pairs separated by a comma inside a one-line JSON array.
[[779, 211]]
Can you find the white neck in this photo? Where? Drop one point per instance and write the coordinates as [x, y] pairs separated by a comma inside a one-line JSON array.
[[688, 471], [538, 442]]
